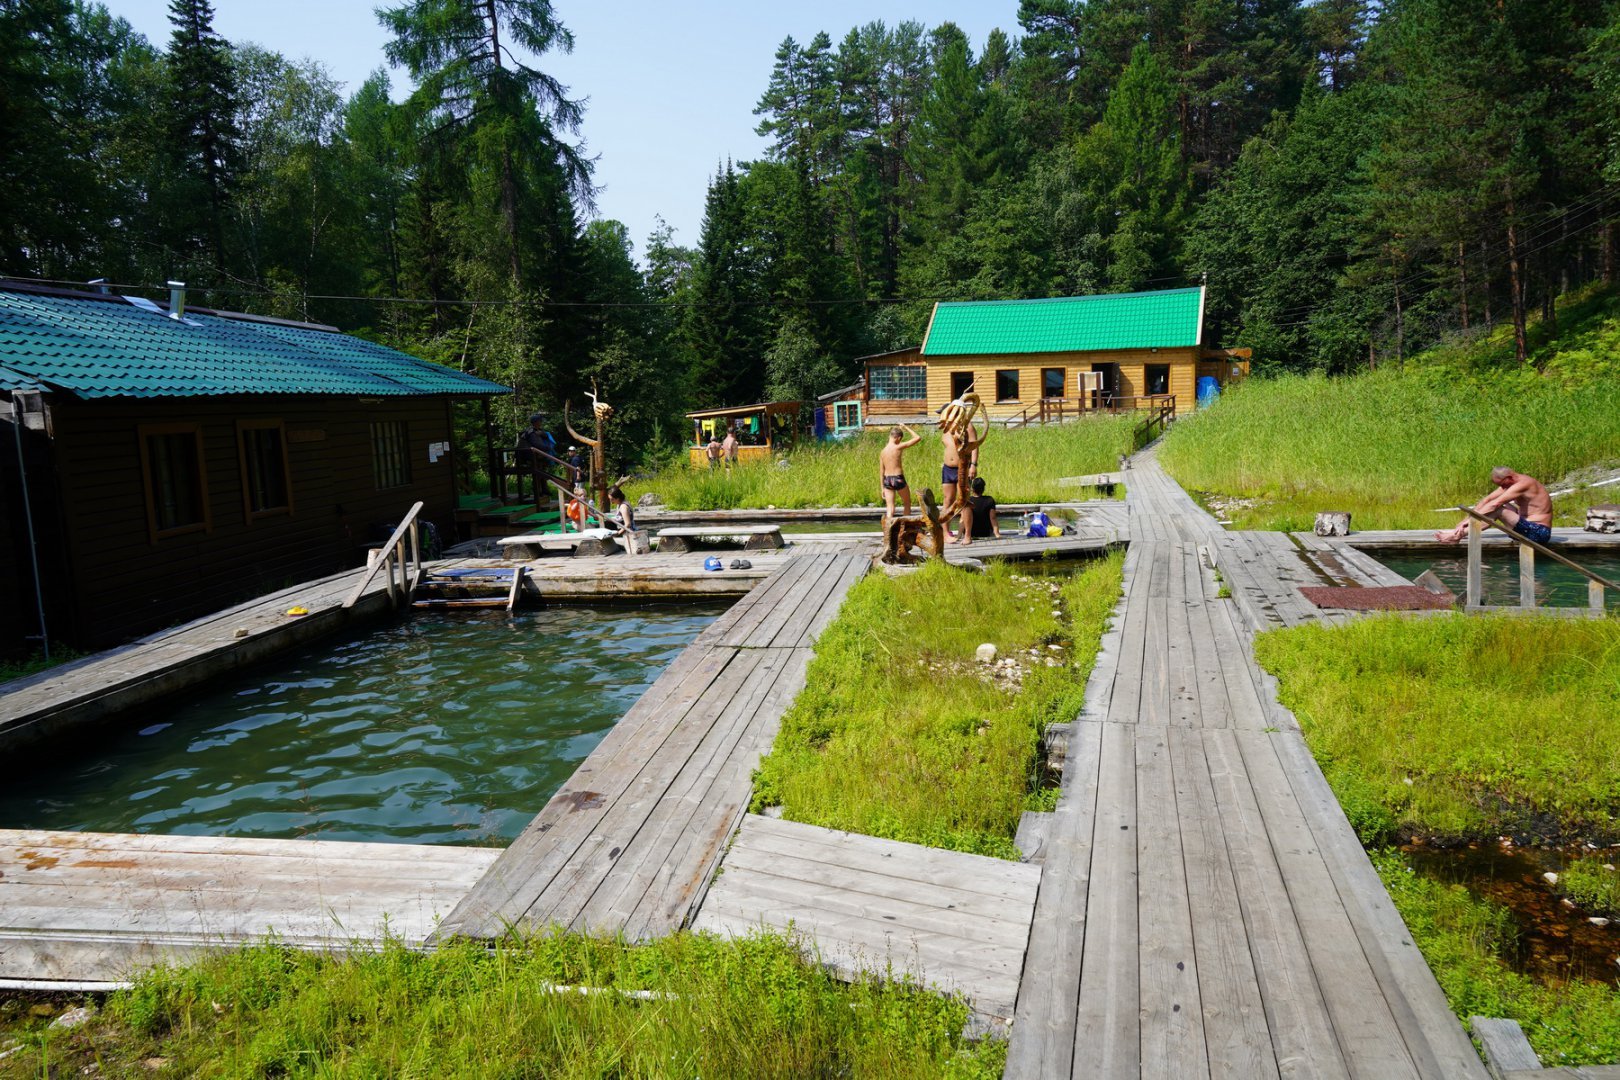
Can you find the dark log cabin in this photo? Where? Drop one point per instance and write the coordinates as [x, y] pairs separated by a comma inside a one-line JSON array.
[[178, 461]]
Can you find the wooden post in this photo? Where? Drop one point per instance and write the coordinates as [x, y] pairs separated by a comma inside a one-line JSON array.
[[1527, 576], [1476, 552], [1594, 596]]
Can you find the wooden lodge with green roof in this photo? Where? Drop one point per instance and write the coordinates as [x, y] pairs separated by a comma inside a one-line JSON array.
[[181, 460], [1035, 360]]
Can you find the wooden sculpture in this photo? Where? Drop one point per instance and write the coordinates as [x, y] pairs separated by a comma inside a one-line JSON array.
[[598, 466], [901, 534]]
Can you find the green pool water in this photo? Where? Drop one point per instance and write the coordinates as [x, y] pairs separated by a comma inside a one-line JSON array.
[[439, 729], [1556, 585]]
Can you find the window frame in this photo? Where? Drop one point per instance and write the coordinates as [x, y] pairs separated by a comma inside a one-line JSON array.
[[840, 407], [1147, 380], [1063, 383], [956, 376], [884, 381], [249, 514], [144, 433], [404, 454], [1016, 387]]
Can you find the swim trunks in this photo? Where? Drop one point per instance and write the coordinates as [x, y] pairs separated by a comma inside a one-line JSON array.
[[895, 483], [947, 474], [1533, 530]]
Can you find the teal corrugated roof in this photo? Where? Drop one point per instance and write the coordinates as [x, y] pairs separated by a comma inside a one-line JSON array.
[[93, 347], [15, 380], [1168, 319]]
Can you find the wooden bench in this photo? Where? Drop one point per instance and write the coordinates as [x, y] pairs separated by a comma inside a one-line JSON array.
[[752, 537], [535, 545]]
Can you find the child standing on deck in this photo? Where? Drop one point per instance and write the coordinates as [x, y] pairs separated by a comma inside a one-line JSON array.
[[891, 468]]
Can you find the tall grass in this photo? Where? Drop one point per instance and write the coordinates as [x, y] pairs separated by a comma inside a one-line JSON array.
[[1386, 446], [1459, 727], [901, 733], [1465, 940], [1021, 465], [751, 1008]]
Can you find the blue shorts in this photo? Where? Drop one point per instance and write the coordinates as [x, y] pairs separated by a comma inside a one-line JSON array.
[[1533, 530], [948, 474]]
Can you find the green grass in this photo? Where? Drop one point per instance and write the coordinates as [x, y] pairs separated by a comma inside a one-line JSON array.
[[900, 733], [1593, 883], [1456, 726], [753, 1008], [1022, 465], [1465, 940], [1393, 445], [18, 669]]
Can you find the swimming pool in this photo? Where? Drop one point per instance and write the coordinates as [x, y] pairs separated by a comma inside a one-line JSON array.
[[432, 730]]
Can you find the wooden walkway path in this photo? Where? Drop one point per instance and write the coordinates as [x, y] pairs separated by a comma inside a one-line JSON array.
[[1205, 909], [630, 842], [953, 921], [87, 910]]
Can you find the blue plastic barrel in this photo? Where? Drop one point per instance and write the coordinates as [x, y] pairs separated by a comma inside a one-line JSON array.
[[1209, 388]]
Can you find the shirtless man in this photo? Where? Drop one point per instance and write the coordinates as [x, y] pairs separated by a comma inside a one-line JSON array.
[[891, 467], [1520, 502], [959, 451]]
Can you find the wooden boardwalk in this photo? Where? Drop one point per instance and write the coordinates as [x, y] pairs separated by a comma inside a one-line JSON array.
[[955, 922], [1205, 909], [629, 843], [86, 910]]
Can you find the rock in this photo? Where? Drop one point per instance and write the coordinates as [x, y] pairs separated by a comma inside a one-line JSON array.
[[74, 1017], [1598, 920], [985, 654], [1550, 878], [1333, 523], [649, 498], [241, 632]]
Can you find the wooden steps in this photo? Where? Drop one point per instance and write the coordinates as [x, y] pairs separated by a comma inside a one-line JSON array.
[[480, 587], [957, 923]]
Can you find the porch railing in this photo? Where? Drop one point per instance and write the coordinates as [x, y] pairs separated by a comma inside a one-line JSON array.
[[1528, 550], [401, 558]]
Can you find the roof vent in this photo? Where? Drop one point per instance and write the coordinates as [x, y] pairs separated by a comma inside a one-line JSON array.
[[101, 285], [177, 299]]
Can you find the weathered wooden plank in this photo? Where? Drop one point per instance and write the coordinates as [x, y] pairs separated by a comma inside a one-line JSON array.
[[646, 845], [1506, 1048], [559, 896], [1362, 1020], [1042, 1042], [1234, 1016], [818, 596], [1302, 1035], [1171, 1010], [1100, 683], [1124, 703], [1207, 682], [771, 608], [855, 568], [1156, 672], [1108, 1032]]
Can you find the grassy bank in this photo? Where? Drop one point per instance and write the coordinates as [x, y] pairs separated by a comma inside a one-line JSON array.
[[1459, 727], [1022, 465], [901, 733], [1466, 940], [1393, 445], [745, 1009]]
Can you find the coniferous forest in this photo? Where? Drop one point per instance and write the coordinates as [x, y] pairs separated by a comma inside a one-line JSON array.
[[1353, 179]]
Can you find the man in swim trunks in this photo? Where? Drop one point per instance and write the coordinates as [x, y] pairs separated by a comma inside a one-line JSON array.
[[891, 468], [1519, 502], [960, 449]]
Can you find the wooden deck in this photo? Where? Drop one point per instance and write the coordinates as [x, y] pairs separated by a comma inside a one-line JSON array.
[[630, 842], [87, 910], [955, 922], [1205, 909]]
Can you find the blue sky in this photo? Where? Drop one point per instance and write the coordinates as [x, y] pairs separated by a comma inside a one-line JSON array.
[[671, 86]]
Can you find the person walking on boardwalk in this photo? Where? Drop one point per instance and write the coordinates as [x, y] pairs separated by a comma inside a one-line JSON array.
[[713, 450], [891, 467], [729, 448], [1520, 502]]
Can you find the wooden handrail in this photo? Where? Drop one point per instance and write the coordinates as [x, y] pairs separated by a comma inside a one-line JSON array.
[[1542, 548], [394, 551]]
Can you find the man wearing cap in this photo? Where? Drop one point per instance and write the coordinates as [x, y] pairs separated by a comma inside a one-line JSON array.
[[536, 438]]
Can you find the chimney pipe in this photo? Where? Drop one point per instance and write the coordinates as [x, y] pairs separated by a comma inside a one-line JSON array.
[[177, 299], [101, 285]]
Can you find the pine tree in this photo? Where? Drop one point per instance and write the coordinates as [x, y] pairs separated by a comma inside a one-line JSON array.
[[202, 117]]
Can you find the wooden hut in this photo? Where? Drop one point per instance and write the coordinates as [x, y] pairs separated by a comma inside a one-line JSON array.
[[762, 430], [178, 461]]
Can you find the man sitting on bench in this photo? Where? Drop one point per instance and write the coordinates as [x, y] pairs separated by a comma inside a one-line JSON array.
[[1520, 503]]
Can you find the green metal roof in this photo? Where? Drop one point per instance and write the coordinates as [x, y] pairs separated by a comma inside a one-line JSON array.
[[1168, 319], [103, 346]]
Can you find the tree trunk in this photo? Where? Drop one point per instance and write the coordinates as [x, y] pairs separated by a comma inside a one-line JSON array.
[[1607, 243], [1462, 283], [1400, 328], [1484, 260], [1516, 287]]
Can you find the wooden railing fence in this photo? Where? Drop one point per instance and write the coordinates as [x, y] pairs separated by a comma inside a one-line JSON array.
[[400, 557], [1528, 549]]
